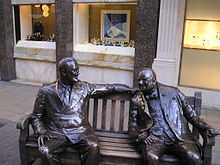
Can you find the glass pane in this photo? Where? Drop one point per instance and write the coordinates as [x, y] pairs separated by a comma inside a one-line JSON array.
[[37, 22], [106, 24], [200, 64]]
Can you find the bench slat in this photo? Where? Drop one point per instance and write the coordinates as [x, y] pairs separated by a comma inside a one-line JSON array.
[[112, 123], [131, 155], [104, 105], [111, 134], [117, 148], [116, 144], [121, 121], [115, 140], [95, 113]]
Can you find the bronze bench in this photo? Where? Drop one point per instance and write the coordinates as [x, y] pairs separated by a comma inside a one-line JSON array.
[[108, 116]]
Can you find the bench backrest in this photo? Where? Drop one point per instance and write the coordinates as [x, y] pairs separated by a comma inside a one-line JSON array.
[[111, 112]]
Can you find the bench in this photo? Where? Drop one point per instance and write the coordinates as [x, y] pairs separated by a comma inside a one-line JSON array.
[[108, 116]]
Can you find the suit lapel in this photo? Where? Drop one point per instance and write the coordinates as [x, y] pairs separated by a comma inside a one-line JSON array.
[[164, 98], [76, 94], [59, 91]]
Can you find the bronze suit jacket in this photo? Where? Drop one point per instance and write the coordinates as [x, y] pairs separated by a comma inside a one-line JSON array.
[[177, 112], [67, 119]]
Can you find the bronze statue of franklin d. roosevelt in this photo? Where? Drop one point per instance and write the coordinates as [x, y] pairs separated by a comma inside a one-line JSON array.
[[60, 117], [158, 122]]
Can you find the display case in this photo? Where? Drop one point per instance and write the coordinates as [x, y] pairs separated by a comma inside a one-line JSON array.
[[105, 27], [202, 34], [35, 22]]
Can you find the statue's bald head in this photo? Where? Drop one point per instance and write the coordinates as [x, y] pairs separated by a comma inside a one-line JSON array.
[[147, 80], [148, 72]]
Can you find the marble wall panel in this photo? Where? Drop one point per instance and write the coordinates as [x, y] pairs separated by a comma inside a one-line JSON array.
[[105, 75], [35, 71]]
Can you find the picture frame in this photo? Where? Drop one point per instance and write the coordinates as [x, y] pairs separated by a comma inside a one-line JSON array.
[[115, 25]]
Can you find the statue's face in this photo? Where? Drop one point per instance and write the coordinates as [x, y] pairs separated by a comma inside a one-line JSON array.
[[147, 82], [71, 72]]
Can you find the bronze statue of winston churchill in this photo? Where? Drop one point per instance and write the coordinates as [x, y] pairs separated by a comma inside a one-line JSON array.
[[158, 122]]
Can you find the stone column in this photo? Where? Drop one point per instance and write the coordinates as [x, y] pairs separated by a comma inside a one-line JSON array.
[[146, 35], [7, 62], [169, 45], [64, 29]]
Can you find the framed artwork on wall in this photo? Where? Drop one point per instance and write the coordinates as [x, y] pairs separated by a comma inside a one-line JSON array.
[[115, 24]]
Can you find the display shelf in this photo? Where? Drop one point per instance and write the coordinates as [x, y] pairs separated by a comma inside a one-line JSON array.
[[202, 34]]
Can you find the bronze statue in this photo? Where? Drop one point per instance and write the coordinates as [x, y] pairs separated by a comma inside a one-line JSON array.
[[59, 115], [158, 122]]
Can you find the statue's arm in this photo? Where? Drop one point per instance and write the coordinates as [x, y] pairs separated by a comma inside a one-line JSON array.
[[192, 117], [133, 128], [111, 88], [37, 115]]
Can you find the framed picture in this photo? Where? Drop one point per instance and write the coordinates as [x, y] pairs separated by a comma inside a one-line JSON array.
[[115, 24]]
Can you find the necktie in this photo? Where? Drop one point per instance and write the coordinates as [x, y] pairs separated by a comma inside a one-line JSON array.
[[67, 95]]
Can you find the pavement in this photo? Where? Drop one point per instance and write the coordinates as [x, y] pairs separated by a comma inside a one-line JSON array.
[[16, 100]]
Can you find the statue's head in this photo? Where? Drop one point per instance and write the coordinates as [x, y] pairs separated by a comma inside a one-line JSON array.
[[147, 80], [69, 70]]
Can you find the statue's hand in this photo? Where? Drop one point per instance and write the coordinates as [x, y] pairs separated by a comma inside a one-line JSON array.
[[150, 139], [133, 91], [212, 132], [141, 137], [45, 135]]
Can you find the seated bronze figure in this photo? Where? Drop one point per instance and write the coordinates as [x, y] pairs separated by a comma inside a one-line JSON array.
[[60, 117], [158, 122]]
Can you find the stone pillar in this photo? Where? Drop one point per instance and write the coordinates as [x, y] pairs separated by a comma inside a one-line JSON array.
[[64, 29], [146, 35], [169, 45], [7, 62]]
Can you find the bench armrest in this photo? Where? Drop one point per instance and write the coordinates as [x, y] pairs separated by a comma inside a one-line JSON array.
[[24, 122], [207, 141]]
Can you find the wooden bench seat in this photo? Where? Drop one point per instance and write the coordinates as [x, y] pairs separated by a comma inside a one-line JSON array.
[[108, 116]]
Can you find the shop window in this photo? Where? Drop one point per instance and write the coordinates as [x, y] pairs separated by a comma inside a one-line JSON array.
[[35, 22], [104, 25], [200, 63]]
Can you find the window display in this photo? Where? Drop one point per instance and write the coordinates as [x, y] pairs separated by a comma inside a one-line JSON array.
[[105, 24], [203, 34], [37, 22]]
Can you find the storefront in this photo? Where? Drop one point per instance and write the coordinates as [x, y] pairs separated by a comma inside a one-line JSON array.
[[103, 41], [200, 60]]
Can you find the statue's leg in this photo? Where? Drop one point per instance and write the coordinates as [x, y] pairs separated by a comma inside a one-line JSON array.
[[51, 148], [152, 153], [89, 151], [187, 152]]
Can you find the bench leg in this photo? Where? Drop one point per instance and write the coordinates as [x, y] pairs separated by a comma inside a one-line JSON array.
[[23, 154]]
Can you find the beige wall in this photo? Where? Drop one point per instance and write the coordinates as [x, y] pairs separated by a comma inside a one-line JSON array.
[[200, 68], [203, 9]]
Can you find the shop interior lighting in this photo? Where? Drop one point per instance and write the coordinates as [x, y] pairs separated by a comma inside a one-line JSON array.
[[45, 8], [46, 14]]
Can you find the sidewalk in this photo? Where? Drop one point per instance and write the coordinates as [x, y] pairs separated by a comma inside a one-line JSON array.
[[18, 99]]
